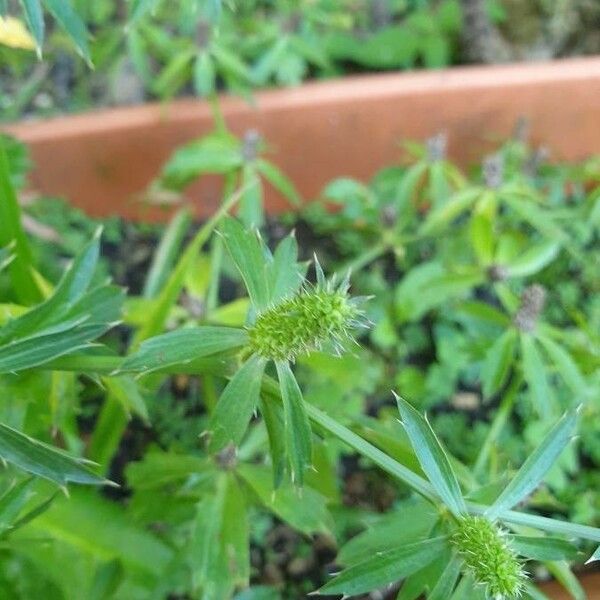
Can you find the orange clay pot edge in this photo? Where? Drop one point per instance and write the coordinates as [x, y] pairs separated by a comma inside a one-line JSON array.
[[103, 160]]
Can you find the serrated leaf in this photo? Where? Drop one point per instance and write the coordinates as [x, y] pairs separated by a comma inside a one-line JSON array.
[[237, 404], [249, 258], [385, 567], [297, 430], [432, 457], [497, 362], [182, 346], [536, 466], [43, 460], [543, 548], [71, 22]]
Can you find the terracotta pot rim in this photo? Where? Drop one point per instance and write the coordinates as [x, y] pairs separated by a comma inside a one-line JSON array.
[[326, 91]]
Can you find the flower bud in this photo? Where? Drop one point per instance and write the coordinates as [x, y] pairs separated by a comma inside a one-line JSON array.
[[489, 558], [304, 322]]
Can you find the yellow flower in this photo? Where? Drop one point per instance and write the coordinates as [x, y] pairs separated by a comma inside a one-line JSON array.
[[14, 34]]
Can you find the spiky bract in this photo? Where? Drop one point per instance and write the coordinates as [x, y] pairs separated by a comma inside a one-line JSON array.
[[487, 555], [305, 322]]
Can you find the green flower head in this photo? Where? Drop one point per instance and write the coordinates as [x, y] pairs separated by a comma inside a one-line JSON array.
[[313, 317], [488, 556]]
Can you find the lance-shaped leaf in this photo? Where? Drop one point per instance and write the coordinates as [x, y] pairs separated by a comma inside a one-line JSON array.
[[236, 404], [534, 259], [447, 582], [497, 363], [564, 363], [6, 256], [296, 429], [249, 258], [43, 460], [182, 346], [536, 466], [543, 548], [432, 458], [535, 376], [386, 567], [71, 22]]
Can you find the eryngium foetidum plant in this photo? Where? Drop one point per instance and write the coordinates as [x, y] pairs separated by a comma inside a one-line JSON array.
[[487, 555], [289, 318]]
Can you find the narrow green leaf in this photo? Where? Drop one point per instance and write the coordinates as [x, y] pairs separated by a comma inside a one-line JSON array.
[[236, 404], [305, 509], [11, 231], [272, 415], [534, 259], [432, 457], [385, 567], [457, 205], [12, 502], [279, 181], [126, 391], [269, 60], [204, 75], [140, 8], [69, 290], [536, 466], [537, 217], [35, 21], [543, 548], [155, 321], [167, 251], [497, 362], [6, 256], [286, 274], [249, 258], [562, 572], [43, 460], [594, 557], [71, 22], [182, 346], [231, 63], [35, 351], [297, 429], [216, 153], [411, 521], [447, 582], [534, 373], [565, 365]]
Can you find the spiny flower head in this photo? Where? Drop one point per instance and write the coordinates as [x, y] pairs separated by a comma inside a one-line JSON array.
[[488, 556], [305, 322]]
